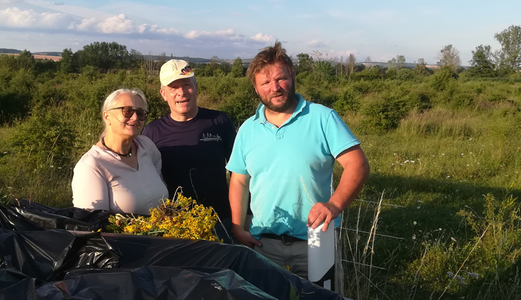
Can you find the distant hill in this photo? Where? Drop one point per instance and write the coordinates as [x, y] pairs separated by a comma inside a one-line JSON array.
[[10, 51], [48, 53], [16, 51]]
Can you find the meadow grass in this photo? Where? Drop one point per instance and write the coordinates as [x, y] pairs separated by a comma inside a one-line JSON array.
[[428, 172]]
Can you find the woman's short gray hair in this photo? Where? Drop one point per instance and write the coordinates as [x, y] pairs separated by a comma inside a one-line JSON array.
[[113, 97]]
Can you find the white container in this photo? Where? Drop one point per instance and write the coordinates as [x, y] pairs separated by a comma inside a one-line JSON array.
[[321, 253]]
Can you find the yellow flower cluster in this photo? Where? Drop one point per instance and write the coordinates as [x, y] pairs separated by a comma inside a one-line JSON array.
[[181, 218]]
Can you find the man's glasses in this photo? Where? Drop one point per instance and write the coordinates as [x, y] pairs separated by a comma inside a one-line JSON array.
[[128, 112]]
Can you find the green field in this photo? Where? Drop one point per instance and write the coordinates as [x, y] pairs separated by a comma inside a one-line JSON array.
[[437, 219]]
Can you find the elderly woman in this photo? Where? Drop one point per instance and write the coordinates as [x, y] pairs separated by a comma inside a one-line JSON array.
[[121, 172]]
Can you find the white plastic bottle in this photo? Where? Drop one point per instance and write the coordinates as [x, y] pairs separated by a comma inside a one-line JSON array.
[[321, 255]]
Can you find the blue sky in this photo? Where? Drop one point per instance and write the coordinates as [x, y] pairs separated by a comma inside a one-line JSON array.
[[228, 29]]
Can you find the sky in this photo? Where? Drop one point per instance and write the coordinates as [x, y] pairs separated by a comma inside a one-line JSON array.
[[326, 29]]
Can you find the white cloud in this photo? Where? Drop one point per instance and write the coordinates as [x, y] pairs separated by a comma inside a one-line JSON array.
[[119, 25], [167, 31], [228, 34], [51, 19], [261, 37], [317, 43], [10, 1], [85, 25], [116, 24], [15, 17]]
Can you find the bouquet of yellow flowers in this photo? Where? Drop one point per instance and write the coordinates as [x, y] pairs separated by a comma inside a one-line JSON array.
[[181, 218]]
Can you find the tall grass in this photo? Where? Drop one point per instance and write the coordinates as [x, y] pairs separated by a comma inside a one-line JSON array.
[[432, 241]]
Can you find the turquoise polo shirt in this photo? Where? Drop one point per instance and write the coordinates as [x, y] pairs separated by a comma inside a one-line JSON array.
[[291, 167]]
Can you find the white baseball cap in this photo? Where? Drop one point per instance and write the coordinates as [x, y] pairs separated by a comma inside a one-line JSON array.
[[173, 70]]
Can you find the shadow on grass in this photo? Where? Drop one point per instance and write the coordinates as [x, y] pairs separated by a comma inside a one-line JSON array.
[[416, 212]]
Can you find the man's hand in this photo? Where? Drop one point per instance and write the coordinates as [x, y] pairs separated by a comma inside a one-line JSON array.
[[322, 212], [244, 237]]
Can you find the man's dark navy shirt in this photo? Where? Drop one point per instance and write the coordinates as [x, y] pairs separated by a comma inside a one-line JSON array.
[[194, 155]]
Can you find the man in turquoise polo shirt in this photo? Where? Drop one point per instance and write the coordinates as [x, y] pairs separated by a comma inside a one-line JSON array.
[[284, 156]]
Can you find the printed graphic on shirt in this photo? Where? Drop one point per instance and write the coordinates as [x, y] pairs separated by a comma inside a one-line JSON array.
[[208, 137]]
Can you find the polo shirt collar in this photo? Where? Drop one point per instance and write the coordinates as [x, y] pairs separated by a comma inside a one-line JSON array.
[[261, 117]]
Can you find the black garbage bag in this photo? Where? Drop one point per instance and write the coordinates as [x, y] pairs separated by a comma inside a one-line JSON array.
[[37, 262], [141, 283], [30, 216], [59, 264]]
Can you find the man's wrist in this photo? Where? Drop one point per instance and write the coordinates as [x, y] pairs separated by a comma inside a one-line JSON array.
[[237, 227], [335, 209]]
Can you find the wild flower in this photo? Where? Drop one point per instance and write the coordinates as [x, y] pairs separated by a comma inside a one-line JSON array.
[[181, 218]]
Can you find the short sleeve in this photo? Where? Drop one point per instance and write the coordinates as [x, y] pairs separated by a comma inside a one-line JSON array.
[[237, 162], [339, 136], [89, 189]]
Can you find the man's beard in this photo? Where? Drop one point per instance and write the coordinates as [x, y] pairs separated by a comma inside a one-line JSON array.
[[288, 102]]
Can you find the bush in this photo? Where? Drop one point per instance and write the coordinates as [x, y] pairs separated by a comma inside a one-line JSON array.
[[44, 137], [442, 78], [348, 101], [384, 112]]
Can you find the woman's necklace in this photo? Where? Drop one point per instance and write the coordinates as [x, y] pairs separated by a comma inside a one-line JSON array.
[[129, 154]]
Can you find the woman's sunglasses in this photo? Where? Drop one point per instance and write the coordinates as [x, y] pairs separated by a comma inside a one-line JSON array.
[[128, 112]]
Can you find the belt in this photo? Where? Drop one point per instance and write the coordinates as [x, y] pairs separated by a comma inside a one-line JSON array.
[[286, 239]]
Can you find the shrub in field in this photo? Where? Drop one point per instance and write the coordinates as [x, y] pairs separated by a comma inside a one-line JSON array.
[[16, 93], [368, 74], [40, 157], [90, 72], [347, 101], [442, 78], [321, 95], [44, 135], [404, 74], [384, 112], [240, 107], [48, 94]]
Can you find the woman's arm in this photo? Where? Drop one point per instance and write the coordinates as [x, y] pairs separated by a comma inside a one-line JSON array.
[[89, 188]]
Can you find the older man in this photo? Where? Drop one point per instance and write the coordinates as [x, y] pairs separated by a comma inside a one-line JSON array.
[[284, 155], [194, 142]]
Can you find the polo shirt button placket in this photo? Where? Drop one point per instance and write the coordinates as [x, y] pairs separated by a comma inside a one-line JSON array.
[[280, 133]]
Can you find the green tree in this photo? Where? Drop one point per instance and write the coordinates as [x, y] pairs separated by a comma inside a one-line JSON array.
[[509, 57], [66, 61], [421, 68], [106, 56], [26, 60], [481, 64], [397, 62], [324, 69], [305, 63], [237, 68], [449, 57]]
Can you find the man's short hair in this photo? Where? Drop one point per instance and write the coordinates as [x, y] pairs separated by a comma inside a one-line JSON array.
[[269, 56]]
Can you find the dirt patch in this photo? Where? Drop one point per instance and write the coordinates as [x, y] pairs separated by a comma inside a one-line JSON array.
[[38, 56], [55, 58]]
